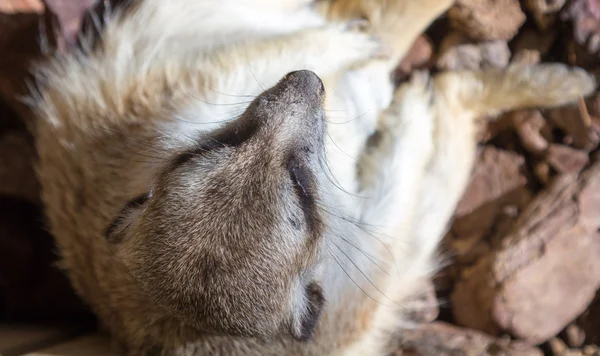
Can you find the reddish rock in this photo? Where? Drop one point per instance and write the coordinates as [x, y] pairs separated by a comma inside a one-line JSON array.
[[487, 20], [565, 159], [417, 57], [542, 172], [497, 181], [526, 57], [585, 17], [531, 39], [443, 339], [545, 11], [532, 285], [458, 53], [529, 125], [574, 335], [423, 307], [572, 121], [21, 6]]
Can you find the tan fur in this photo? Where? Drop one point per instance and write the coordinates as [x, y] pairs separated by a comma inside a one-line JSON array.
[[263, 228]]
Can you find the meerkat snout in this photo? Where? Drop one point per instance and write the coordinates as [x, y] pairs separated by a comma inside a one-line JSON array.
[[306, 80]]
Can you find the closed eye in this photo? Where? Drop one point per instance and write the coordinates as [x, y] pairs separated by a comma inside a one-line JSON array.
[[304, 188], [300, 179]]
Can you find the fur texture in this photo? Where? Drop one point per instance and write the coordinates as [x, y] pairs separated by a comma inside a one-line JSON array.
[[207, 177]]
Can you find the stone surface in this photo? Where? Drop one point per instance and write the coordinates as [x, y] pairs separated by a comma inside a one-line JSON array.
[[487, 20], [441, 339], [458, 53], [531, 286]]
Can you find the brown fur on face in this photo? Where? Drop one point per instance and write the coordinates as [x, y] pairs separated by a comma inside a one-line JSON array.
[[228, 236]]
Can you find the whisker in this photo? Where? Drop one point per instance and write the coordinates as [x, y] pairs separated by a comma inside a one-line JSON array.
[[339, 148], [362, 226], [348, 121], [233, 95], [217, 104], [255, 78], [350, 277], [366, 254], [363, 273], [324, 165]]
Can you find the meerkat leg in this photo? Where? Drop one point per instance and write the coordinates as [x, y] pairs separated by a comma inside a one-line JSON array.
[[445, 149], [397, 22], [366, 91], [461, 98], [418, 169], [325, 51], [244, 71]]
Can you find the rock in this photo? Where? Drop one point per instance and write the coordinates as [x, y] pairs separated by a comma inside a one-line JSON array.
[[526, 57], [531, 39], [565, 159], [487, 20], [545, 11], [542, 172], [490, 129], [544, 6], [417, 57], [585, 18], [467, 248], [532, 285], [69, 15], [593, 104], [457, 53], [558, 347], [574, 335], [589, 322], [442, 339], [424, 307], [529, 125], [591, 350], [21, 6], [497, 181], [570, 119]]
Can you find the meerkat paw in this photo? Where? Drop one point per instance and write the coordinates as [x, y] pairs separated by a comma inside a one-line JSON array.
[[412, 101], [404, 147], [552, 84], [350, 43], [496, 90]]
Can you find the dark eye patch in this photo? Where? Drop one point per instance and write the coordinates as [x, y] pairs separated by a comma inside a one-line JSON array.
[[232, 135], [302, 182]]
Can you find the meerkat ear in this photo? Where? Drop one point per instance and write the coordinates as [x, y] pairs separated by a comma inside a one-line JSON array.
[[115, 232], [306, 321]]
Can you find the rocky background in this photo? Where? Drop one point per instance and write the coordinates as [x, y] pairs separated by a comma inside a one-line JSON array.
[[523, 252]]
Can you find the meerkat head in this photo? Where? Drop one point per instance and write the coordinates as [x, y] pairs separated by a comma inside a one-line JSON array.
[[228, 238]]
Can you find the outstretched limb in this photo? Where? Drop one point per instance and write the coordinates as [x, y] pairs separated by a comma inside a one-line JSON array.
[[397, 22], [418, 168], [357, 97], [325, 50]]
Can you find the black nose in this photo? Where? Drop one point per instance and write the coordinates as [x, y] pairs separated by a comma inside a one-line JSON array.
[[306, 80]]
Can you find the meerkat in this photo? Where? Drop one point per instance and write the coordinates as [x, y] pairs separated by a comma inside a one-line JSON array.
[[243, 178]]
